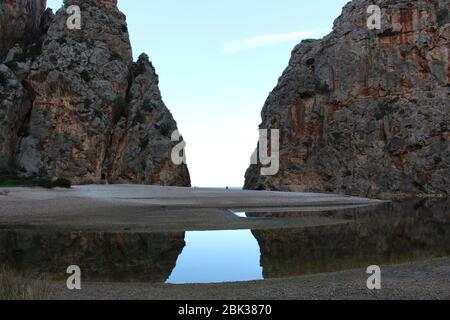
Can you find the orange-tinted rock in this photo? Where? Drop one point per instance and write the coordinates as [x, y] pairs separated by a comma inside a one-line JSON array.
[[366, 112], [20, 21], [91, 113]]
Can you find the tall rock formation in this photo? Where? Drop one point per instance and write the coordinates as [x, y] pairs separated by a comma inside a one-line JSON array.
[[75, 105], [20, 22], [366, 112]]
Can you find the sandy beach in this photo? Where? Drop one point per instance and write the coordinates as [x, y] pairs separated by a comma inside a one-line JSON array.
[[425, 280], [133, 208]]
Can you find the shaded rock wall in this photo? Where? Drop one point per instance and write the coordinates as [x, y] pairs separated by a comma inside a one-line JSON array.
[[20, 22], [75, 105], [366, 112]]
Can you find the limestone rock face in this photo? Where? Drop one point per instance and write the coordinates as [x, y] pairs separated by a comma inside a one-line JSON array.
[[76, 105], [20, 21], [366, 112]]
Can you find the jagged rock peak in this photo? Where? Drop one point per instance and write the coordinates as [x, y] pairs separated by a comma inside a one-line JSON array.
[[366, 112], [76, 105]]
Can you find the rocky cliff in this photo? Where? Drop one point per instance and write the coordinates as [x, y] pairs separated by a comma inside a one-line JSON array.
[[75, 105], [20, 22], [366, 112]]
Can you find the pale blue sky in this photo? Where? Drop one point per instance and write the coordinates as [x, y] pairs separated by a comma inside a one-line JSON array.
[[217, 62]]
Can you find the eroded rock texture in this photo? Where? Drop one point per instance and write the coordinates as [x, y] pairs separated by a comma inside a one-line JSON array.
[[366, 112], [75, 105], [20, 22]]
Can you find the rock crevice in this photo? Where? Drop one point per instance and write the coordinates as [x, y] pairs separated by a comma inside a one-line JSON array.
[[74, 104], [365, 112]]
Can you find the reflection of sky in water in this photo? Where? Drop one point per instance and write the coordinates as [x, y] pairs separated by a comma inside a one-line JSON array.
[[240, 214], [390, 234], [218, 256]]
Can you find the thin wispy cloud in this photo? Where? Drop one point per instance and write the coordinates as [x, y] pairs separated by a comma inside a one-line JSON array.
[[264, 40]]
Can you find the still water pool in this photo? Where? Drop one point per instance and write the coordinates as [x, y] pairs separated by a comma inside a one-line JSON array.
[[218, 256], [393, 233]]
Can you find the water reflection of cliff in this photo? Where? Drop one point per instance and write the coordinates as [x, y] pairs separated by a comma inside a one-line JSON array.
[[394, 233], [101, 256], [388, 234]]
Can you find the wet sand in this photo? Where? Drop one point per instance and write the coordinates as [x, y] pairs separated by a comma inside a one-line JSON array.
[[423, 280], [131, 208]]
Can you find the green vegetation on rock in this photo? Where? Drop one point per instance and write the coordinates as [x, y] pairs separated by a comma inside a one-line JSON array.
[[10, 179]]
